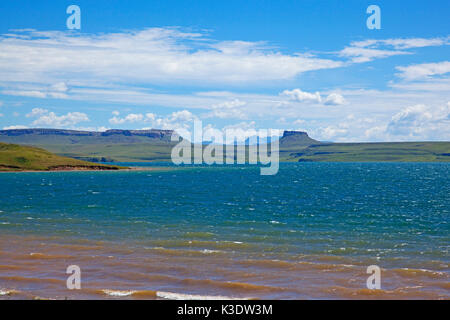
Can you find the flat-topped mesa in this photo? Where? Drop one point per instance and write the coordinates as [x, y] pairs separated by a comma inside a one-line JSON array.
[[38, 131], [293, 139], [295, 133], [152, 133], [156, 133]]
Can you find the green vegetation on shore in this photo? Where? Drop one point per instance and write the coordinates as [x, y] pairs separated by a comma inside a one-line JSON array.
[[23, 158], [372, 152], [156, 145]]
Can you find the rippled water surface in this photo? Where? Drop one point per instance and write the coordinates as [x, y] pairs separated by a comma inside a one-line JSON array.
[[308, 232]]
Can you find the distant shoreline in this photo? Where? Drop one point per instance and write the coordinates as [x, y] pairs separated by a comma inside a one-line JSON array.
[[81, 169]]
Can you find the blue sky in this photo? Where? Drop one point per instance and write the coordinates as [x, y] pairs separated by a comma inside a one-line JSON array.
[[304, 65]]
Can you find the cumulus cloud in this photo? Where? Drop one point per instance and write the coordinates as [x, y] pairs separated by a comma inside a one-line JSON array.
[[228, 109], [46, 118], [414, 123], [130, 118], [421, 121], [177, 119], [300, 96], [334, 99], [36, 112]]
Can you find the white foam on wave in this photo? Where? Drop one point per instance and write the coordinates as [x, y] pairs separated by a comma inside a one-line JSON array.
[[184, 296], [6, 292], [119, 293], [208, 251], [169, 295]]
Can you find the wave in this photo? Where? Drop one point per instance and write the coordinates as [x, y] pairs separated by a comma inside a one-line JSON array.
[[35, 280], [183, 252], [9, 267], [224, 244], [184, 296], [202, 235], [127, 293], [8, 292], [164, 295], [409, 272], [43, 256], [407, 292], [237, 286]]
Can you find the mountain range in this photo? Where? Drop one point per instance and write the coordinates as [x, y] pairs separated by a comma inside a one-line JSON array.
[[155, 145]]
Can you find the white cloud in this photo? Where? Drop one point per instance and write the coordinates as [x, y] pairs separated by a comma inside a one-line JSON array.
[[25, 93], [97, 129], [150, 116], [431, 84], [300, 96], [15, 127], [240, 131], [421, 121], [228, 109], [183, 116], [130, 118], [36, 112], [414, 123], [368, 50], [46, 118], [359, 55], [404, 43], [177, 119], [1, 115], [334, 99], [332, 132], [153, 55], [59, 87], [56, 91], [424, 71]]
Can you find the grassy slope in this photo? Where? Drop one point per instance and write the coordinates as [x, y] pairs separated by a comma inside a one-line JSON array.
[[365, 152], [135, 152], [19, 158], [142, 149], [115, 148]]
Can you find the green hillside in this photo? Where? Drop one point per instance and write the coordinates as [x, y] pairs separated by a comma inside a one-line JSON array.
[[109, 146], [156, 145], [22, 158], [373, 152]]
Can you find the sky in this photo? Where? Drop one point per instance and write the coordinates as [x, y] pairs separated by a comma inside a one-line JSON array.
[[306, 65]]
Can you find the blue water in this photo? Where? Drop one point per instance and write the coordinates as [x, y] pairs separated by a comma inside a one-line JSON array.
[[393, 214]]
